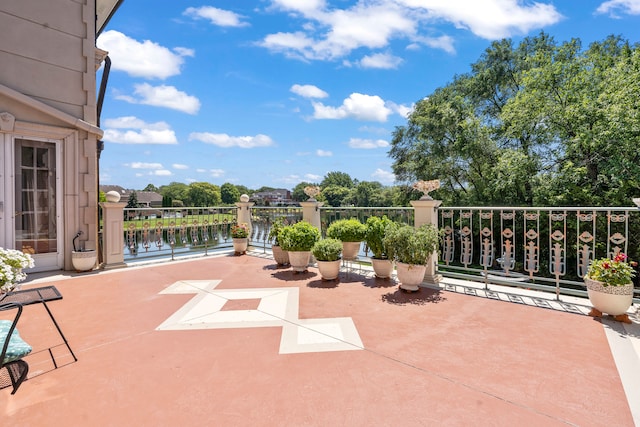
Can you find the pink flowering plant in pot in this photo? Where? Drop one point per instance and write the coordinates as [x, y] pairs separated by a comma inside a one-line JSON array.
[[612, 272]]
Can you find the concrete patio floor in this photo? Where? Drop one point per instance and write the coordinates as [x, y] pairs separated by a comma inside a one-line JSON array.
[[236, 341]]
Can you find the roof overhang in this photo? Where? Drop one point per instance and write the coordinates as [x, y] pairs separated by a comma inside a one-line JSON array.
[[104, 11]]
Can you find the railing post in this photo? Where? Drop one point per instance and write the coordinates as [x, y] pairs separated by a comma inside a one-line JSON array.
[[311, 212], [426, 212], [244, 211], [113, 235]]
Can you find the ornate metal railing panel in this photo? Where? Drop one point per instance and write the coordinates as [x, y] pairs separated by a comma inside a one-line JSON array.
[[168, 232], [262, 219], [538, 248]]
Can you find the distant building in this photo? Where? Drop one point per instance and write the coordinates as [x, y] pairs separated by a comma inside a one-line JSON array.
[[146, 199], [277, 197]]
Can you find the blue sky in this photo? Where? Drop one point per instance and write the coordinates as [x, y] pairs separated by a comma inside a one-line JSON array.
[[276, 92]]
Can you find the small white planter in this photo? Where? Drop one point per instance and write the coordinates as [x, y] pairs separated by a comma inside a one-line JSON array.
[[613, 300], [280, 256], [350, 250], [299, 260], [329, 270], [382, 267], [240, 245], [84, 260], [410, 276]]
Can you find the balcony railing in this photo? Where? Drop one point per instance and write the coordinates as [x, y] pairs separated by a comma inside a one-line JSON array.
[[538, 248]]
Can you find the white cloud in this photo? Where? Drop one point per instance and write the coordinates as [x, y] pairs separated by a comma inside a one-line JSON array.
[[162, 172], [367, 144], [137, 131], [179, 166], [312, 177], [163, 96], [220, 17], [142, 165], [380, 60], [329, 33], [308, 91], [356, 106], [216, 173], [141, 59], [323, 153], [630, 7], [401, 110], [383, 176], [225, 141]]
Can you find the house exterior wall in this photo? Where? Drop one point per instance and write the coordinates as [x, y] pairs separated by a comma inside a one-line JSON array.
[[48, 83]]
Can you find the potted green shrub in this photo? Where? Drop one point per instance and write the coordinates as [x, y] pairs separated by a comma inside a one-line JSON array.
[[280, 256], [298, 239], [350, 232], [609, 286], [411, 248], [375, 231], [327, 254]]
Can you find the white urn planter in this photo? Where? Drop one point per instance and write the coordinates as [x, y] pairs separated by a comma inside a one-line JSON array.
[[382, 267], [612, 300], [299, 260], [329, 270], [280, 256], [350, 250], [410, 276], [240, 245], [84, 260]]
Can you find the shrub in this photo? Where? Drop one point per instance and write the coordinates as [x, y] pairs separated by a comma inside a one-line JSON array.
[[300, 236], [376, 228], [327, 249], [347, 230], [412, 245], [276, 228]]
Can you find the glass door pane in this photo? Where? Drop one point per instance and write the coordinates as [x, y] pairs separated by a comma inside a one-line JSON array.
[[35, 218]]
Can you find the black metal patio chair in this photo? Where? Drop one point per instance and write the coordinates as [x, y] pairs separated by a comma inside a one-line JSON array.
[[13, 349]]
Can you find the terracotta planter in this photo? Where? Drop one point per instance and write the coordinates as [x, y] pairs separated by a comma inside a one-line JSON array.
[[350, 250], [280, 256], [240, 245], [410, 276], [299, 260], [329, 270], [84, 260], [382, 267], [613, 300]]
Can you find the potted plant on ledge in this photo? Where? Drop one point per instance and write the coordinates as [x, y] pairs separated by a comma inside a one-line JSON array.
[[350, 232], [411, 248], [327, 253], [376, 229], [298, 239], [280, 256], [240, 235], [609, 286]]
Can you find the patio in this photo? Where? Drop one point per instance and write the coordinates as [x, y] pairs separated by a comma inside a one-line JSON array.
[[234, 340]]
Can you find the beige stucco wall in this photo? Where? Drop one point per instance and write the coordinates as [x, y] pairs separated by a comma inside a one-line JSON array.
[[47, 77]]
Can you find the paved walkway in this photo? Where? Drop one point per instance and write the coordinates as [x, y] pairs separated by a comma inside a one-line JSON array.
[[235, 341]]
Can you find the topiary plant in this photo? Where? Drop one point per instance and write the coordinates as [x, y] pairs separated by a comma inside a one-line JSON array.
[[300, 236], [327, 249], [276, 227], [411, 245], [347, 230], [376, 228]]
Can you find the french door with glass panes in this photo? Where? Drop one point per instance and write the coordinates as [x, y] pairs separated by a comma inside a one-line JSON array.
[[32, 214]]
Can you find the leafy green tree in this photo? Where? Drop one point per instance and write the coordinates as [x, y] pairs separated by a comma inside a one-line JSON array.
[[204, 194], [298, 194], [340, 179], [335, 195], [368, 193], [229, 193], [151, 187], [175, 192]]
